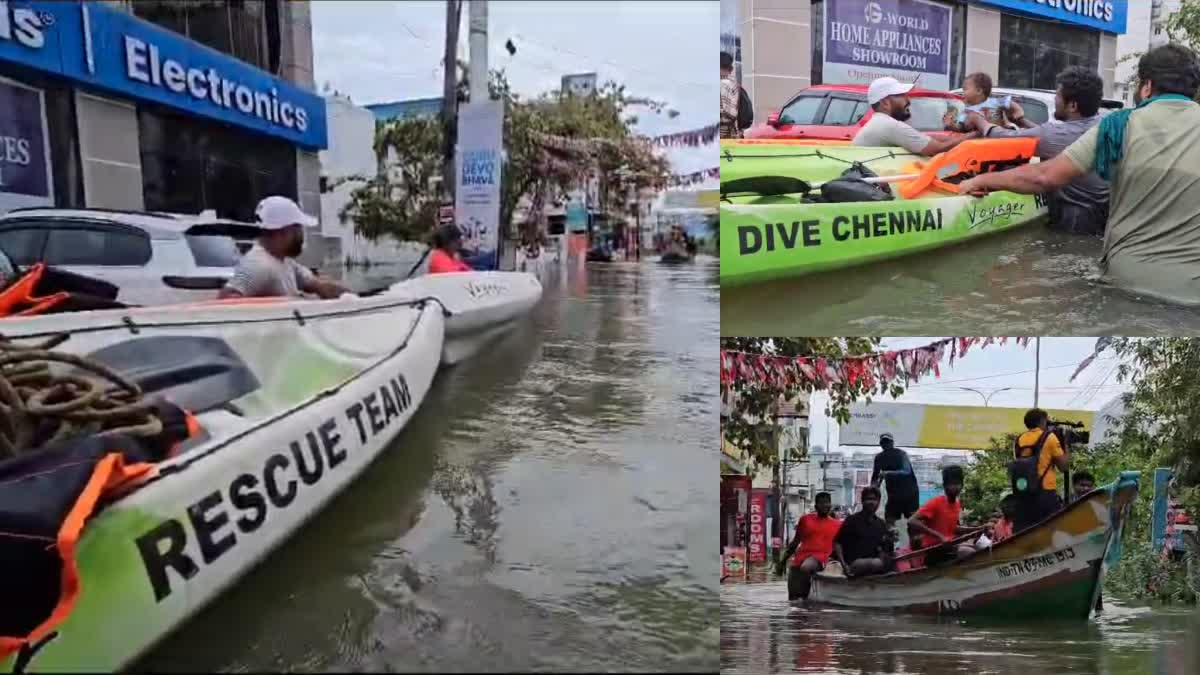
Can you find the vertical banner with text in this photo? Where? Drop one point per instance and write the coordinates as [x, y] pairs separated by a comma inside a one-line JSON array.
[[25, 178], [903, 39], [758, 526], [479, 160]]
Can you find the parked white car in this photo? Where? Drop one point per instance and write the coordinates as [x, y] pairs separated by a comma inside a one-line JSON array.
[[153, 258], [1039, 103]]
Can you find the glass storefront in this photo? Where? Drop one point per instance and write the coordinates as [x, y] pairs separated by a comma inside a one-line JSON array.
[[1033, 53]]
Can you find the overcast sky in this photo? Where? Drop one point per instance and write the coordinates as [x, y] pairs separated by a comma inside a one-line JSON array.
[[992, 368], [388, 51]]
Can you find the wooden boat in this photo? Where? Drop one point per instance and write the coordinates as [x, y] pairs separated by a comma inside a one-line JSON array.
[[1051, 570], [776, 222]]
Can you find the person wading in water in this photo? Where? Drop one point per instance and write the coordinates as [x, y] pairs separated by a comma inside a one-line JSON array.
[[814, 537]]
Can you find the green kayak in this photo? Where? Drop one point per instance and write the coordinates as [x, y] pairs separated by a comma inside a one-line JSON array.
[[772, 236]]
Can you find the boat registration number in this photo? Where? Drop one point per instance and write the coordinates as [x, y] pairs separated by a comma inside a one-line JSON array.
[[1035, 564]]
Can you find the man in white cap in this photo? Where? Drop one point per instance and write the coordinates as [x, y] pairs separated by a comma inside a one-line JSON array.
[[269, 268], [886, 128]]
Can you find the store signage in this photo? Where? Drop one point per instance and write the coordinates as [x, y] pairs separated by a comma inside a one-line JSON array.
[[917, 425], [904, 39], [114, 51], [24, 149], [1106, 15], [477, 197], [758, 526]]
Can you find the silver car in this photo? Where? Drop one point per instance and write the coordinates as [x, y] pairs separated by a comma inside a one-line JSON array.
[[153, 258], [1039, 103]]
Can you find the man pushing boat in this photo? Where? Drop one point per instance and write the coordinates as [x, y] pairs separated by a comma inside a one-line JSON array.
[[269, 268], [814, 537], [886, 128], [1148, 154]]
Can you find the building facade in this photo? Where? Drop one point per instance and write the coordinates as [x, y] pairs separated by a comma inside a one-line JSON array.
[[160, 106], [783, 47]]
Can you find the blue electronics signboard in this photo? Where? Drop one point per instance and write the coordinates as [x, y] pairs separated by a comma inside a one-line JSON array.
[[115, 51], [1105, 15]]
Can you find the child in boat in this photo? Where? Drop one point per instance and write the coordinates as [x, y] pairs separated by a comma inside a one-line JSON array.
[[937, 521], [977, 95], [1002, 528], [912, 562]]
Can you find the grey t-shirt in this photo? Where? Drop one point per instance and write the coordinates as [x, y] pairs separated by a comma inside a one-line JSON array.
[[1152, 244], [884, 131], [1089, 190], [260, 274]]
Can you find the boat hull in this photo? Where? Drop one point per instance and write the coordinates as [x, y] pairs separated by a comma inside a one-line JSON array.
[[767, 241], [337, 385], [1053, 570], [481, 306]]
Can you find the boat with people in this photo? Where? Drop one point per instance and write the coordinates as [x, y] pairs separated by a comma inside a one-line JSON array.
[[788, 210], [1053, 569], [151, 456]]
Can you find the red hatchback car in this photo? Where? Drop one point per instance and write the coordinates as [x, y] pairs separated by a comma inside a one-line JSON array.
[[835, 112]]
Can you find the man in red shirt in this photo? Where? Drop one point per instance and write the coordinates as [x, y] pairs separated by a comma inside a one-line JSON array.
[[936, 522], [814, 537]]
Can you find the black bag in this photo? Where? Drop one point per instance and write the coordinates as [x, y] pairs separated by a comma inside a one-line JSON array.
[[850, 187], [745, 110], [1022, 471]]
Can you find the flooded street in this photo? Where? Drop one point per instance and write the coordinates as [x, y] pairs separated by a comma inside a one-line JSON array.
[[760, 634], [1027, 282], [549, 507]]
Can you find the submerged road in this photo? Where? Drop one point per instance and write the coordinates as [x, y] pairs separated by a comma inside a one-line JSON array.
[[761, 634], [549, 507]]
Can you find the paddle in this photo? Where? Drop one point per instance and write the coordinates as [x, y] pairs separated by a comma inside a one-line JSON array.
[[769, 186]]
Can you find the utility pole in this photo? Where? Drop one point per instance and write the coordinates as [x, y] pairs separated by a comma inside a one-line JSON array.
[[1037, 367], [477, 40], [450, 97]]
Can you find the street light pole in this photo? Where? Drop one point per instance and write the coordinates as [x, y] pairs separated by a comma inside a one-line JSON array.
[[477, 41], [1037, 367], [988, 397]]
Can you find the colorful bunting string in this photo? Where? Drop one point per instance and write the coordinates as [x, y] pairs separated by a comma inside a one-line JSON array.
[[819, 372], [691, 138], [694, 178]]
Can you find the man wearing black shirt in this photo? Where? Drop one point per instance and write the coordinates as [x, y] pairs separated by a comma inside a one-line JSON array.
[[893, 467], [862, 544]]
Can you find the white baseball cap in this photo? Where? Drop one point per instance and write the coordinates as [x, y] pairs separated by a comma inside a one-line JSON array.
[[885, 87], [887, 435], [277, 212]]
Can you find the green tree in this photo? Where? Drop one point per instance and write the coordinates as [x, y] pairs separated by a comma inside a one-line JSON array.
[[750, 424]]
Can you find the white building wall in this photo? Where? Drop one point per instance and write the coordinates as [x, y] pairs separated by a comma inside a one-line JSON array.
[[351, 152]]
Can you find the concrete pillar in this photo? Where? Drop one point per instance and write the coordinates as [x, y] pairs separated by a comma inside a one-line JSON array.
[[983, 41], [295, 43], [776, 51], [1108, 61]]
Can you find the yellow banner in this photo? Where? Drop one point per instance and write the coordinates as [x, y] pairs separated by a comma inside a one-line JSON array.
[[944, 426]]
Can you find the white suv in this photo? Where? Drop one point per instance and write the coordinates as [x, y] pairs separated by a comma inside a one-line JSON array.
[[1038, 104], [153, 258]]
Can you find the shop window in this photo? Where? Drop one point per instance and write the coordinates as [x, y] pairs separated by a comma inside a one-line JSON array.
[[1033, 53], [191, 164], [235, 27], [802, 110], [96, 245], [22, 245]]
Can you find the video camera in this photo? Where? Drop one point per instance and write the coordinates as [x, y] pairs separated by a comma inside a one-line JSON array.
[[1069, 433]]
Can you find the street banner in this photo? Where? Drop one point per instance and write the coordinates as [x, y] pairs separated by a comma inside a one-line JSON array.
[[903, 39], [757, 549], [479, 159], [916, 425], [25, 177]]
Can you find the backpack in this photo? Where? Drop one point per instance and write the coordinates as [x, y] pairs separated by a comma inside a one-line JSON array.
[[1022, 471], [745, 116]]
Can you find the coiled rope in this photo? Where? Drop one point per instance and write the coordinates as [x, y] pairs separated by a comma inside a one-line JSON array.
[[40, 405]]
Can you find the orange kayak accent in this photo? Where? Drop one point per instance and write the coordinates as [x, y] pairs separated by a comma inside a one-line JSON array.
[[969, 158], [19, 299], [786, 141]]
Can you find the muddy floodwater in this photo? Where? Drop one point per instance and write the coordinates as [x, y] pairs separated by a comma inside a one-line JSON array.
[[549, 507], [1029, 281], [761, 634]]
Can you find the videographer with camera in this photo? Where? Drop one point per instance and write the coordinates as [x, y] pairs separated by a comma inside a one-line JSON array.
[[1036, 454]]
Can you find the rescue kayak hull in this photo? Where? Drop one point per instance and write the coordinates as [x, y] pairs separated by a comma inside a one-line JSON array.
[[336, 384], [481, 306], [1053, 570], [772, 236]]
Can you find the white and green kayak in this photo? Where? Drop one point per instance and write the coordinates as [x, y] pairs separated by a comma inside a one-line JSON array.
[[776, 230], [290, 400]]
